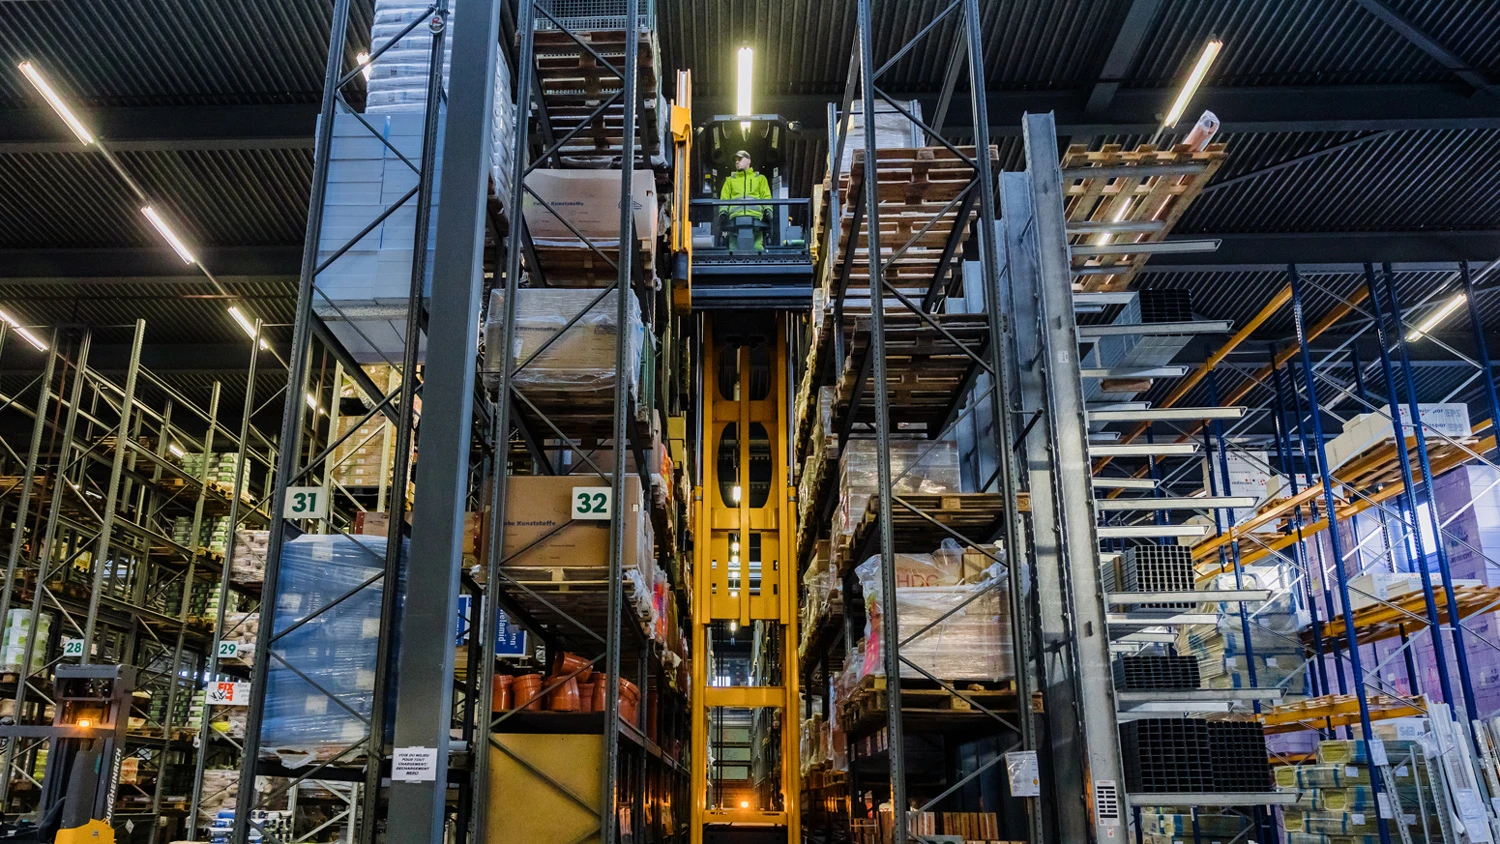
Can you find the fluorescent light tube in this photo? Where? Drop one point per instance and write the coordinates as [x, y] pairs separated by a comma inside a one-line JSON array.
[[1436, 317], [166, 231], [50, 95], [21, 330], [1189, 88]]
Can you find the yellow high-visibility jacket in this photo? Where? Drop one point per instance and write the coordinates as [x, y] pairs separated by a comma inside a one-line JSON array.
[[745, 184]]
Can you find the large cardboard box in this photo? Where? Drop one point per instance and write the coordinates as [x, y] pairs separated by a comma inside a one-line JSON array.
[[590, 201], [539, 514]]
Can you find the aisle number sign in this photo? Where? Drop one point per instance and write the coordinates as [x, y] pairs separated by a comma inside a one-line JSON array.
[[229, 693], [229, 649], [72, 648], [593, 502], [305, 502]]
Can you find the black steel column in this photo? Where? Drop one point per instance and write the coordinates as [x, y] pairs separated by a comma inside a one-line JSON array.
[[424, 694]]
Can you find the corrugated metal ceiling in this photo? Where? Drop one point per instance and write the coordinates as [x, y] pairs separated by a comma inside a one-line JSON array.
[[186, 52]]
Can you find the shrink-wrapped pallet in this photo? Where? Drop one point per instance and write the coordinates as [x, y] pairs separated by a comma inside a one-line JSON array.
[[337, 631], [570, 358], [972, 639]]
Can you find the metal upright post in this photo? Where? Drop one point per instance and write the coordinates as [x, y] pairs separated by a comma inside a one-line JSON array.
[[1087, 751], [401, 469], [1377, 785], [425, 660], [624, 288], [103, 553], [1299, 551], [1002, 374], [184, 609], [1409, 491], [28, 479], [1307, 452], [46, 545], [890, 636], [290, 441], [236, 493], [499, 486], [1455, 624], [1482, 352]]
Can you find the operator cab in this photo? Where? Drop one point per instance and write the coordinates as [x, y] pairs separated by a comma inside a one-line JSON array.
[[748, 252]]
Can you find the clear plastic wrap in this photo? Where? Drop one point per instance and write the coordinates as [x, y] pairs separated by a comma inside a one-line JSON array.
[[398, 78], [18, 631], [336, 647], [918, 467], [1225, 660], [582, 359], [971, 644]]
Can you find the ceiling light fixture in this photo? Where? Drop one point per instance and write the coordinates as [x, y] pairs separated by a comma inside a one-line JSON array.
[[363, 60], [313, 403], [746, 61], [247, 325], [1436, 317], [1189, 88], [166, 231], [21, 330], [50, 95], [176, 452]]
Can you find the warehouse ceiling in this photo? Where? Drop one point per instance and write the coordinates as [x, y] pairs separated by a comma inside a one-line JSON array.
[[1358, 130]]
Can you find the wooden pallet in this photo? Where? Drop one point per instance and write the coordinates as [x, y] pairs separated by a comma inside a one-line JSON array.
[[1332, 711], [573, 83], [864, 709], [1381, 621], [1381, 464], [578, 265], [1167, 183], [928, 375], [977, 516], [914, 185]]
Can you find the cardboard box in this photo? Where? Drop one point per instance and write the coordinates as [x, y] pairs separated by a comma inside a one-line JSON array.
[[542, 506], [590, 201]]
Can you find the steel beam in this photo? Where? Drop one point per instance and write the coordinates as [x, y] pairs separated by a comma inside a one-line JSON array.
[[1313, 108], [1417, 37], [1122, 53], [1079, 687], [424, 697], [165, 128]]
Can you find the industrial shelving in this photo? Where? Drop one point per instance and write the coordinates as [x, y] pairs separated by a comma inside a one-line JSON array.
[[490, 429], [113, 506], [1302, 387]]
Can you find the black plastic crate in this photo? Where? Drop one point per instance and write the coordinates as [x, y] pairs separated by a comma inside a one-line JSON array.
[[1159, 568], [1240, 762], [1166, 304], [1167, 755], [1145, 672]]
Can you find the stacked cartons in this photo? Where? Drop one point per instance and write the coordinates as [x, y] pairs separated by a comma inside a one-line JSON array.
[[319, 580], [1336, 797], [19, 630], [917, 467], [247, 566], [1363, 432]]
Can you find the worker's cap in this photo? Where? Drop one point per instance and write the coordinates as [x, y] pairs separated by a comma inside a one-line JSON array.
[[741, 154]]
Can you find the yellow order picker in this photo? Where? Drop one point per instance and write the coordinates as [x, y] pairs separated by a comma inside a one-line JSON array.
[[748, 309]]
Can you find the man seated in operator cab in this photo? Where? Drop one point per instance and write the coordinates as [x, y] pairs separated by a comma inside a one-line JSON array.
[[744, 224]]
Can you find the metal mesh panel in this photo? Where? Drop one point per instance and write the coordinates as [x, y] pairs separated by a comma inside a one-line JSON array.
[[584, 15]]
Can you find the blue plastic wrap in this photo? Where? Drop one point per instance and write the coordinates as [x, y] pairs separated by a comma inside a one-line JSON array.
[[335, 649]]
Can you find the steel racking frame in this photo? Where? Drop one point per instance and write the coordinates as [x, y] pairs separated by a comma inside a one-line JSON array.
[[466, 457], [1297, 412], [107, 443], [999, 385]]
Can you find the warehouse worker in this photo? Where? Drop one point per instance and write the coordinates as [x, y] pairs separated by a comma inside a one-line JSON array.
[[744, 184]]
